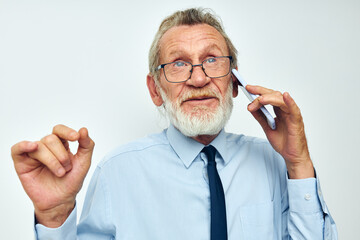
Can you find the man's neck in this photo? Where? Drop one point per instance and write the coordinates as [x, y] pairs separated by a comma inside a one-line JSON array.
[[205, 139]]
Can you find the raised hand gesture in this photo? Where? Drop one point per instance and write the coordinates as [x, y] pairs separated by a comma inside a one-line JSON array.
[[289, 137], [50, 174]]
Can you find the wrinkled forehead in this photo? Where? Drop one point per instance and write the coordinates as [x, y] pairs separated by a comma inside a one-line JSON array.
[[191, 39]]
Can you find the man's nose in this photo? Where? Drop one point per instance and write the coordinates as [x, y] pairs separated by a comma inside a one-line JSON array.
[[198, 77]]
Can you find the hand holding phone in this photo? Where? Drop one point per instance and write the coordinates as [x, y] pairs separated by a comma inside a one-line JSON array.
[[252, 97]]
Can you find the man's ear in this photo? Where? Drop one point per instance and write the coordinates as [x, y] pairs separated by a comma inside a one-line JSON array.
[[154, 90], [235, 85]]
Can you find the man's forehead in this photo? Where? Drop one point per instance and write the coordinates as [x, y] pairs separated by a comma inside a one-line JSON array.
[[209, 47], [179, 38]]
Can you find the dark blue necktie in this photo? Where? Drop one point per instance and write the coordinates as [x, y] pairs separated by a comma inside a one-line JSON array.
[[218, 229]]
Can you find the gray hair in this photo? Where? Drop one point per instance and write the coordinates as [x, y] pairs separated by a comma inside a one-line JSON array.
[[191, 16]]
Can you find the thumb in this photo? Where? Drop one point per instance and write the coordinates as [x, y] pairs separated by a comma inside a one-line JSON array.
[[86, 144], [260, 117]]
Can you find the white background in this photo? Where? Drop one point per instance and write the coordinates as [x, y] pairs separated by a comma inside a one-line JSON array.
[[84, 63]]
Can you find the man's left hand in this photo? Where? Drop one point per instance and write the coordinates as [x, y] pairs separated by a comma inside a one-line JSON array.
[[289, 137]]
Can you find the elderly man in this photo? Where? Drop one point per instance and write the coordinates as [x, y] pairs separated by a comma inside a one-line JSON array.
[[193, 180]]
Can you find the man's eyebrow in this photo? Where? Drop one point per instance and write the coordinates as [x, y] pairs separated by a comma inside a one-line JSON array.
[[211, 47], [176, 53]]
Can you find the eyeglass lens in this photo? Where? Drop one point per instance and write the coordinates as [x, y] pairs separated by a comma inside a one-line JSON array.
[[180, 71]]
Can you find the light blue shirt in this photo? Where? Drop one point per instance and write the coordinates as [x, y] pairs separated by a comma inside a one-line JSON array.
[[157, 188]]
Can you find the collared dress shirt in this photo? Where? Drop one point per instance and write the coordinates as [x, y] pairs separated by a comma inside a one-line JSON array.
[[157, 188]]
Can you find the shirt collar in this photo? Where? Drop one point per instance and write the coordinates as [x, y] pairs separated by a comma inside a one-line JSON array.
[[187, 148]]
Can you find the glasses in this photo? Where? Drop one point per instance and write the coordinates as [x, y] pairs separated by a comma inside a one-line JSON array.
[[180, 71]]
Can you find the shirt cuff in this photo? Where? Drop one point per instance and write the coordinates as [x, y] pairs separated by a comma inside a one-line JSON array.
[[66, 231], [303, 195]]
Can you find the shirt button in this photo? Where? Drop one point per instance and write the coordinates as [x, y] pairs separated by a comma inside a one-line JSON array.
[[307, 197]]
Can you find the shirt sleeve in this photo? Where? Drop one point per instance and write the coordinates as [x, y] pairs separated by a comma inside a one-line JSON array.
[[66, 231], [308, 216]]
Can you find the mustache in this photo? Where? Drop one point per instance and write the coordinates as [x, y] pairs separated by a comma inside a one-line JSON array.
[[200, 93]]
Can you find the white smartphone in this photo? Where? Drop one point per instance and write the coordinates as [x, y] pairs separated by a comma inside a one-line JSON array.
[[252, 97]]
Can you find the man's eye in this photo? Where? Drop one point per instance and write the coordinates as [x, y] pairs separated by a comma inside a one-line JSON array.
[[210, 60], [179, 64]]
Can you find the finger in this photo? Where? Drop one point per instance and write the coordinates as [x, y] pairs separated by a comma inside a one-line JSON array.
[[258, 90], [23, 147], [65, 144], [275, 99], [86, 144], [44, 155], [254, 105], [66, 133], [57, 148], [294, 110], [259, 116]]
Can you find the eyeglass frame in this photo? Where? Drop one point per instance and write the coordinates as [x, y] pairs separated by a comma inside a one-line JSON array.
[[161, 66]]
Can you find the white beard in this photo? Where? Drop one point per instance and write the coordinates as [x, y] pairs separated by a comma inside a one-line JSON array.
[[201, 120]]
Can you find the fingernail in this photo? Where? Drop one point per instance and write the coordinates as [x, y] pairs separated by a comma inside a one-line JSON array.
[[73, 135], [61, 172]]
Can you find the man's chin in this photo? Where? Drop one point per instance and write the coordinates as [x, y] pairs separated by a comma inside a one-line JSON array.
[[199, 111], [207, 118], [198, 122]]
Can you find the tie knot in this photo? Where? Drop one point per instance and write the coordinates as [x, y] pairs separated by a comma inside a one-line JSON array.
[[210, 152]]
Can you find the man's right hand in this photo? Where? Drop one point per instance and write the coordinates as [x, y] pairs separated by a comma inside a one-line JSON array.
[[51, 175]]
